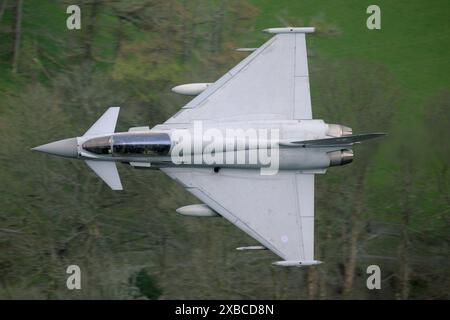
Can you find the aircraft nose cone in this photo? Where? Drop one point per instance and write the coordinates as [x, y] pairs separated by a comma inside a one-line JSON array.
[[64, 148]]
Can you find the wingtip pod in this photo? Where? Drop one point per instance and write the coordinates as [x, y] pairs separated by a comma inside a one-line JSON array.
[[290, 30], [295, 263], [251, 248]]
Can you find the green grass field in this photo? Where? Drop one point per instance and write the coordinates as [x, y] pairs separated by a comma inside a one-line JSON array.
[[414, 40]]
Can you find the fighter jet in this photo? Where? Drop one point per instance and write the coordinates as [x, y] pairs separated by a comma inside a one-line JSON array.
[[261, 179]]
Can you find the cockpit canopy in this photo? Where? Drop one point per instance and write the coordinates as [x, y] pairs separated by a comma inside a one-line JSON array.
[[100, 145], [130, 144]]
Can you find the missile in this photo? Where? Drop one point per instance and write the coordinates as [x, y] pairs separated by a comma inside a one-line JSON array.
[[191, 89], [246, 49], [197, 210]]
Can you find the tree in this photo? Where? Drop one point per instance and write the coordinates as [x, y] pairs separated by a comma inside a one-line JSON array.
[[362, 96], [17, 35], [2, 8]]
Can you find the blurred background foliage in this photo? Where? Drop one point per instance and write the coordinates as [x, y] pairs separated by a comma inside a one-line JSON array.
[[390, 207]]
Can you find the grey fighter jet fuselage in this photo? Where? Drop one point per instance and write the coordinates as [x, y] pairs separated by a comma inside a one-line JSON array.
[[142, 147], [249, 133]]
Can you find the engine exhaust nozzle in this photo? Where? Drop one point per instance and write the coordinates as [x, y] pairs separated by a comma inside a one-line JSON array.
[[338, 130], [341, 157]]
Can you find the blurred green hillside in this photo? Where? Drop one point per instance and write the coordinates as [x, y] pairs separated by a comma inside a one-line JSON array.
[[390, 207]]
